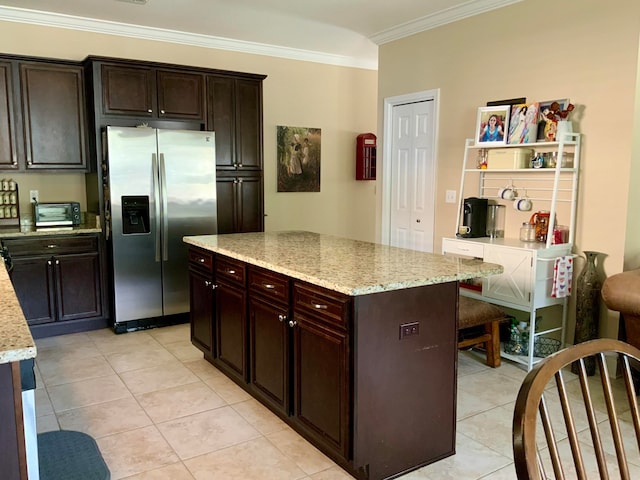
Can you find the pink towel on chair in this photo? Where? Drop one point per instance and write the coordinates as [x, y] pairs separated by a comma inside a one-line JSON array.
[[562, 276]]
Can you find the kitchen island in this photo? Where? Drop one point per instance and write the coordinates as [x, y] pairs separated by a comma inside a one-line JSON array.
[[353, 344], [16, 344]]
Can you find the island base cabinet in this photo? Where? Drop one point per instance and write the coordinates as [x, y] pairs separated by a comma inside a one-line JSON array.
[[201, 311], [231, 331], [404, 388], [269, 353], [321, 384]]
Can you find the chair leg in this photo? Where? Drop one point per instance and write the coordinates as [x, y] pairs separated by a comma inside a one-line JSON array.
[[493, 345]]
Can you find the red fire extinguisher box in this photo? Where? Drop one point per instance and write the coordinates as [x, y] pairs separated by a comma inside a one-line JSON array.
[[366, 156]]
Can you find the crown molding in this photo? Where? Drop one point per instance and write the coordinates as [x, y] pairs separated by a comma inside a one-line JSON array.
[[443, 17], [49, 19]]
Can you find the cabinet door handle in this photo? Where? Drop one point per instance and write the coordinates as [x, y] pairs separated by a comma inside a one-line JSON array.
[[292, 323], [268, 286], [57, 262], [48, 262], [52, 246], [319, 306], [201, 260], [231, 272], [282, 318]]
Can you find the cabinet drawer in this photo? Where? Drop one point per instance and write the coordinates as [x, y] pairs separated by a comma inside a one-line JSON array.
[[328, 305], [230, 270], [269, 284], [201, 258], [50, 245], [462, 247]]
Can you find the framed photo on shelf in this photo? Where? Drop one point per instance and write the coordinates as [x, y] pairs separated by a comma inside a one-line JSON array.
[[492, 125], [543, 119], [523, 123]]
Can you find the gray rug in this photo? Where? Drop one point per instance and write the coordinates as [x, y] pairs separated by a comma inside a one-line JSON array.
[[68, 455]]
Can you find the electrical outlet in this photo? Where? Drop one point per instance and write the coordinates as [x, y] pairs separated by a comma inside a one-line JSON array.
[[450, 197], [409, 329], [33, 196]]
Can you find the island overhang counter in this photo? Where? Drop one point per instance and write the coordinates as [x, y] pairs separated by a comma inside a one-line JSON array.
[[353, 344]]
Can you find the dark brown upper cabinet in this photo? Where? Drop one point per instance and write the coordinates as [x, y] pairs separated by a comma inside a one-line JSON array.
[[153, 93], [234, 113], [8, 144], [53, 116]]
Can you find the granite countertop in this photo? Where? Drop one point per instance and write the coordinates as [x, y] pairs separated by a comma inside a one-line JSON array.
[[91, 224], [16, 342], [31, 231], [348, 266]]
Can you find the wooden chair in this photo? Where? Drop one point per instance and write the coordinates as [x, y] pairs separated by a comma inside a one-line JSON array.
[[530, 402], [473, 313]]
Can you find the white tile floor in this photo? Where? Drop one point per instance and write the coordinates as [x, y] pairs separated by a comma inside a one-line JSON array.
[[158, 410]]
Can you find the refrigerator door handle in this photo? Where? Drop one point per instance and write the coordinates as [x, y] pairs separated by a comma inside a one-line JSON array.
[[156, 201], [165, 212]]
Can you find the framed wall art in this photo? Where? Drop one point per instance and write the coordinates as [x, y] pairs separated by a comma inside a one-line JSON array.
[[523, 123], [544, 121], [298, 159], [492, 125]]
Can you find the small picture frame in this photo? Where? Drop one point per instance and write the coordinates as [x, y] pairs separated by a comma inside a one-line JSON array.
[[492, 125], [523, 123], [543, 119]]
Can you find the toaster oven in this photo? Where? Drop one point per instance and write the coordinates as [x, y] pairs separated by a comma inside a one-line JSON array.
[[56, 214]]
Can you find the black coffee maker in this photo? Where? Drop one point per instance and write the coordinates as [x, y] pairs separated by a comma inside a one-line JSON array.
[[474, 218]]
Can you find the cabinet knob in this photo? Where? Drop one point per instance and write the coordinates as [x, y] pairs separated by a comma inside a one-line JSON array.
[[231, 272], [48, 262], [162, 112], [292, 323], [239, 165], [207, 283], [268, 286], [53, 245], [57, 262], [418, 221], [201, 260], [282, 318], [29, 162], [150, 111], [14, 162]]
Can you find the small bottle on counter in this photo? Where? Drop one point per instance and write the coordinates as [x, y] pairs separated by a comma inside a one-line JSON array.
[[4, 184], [527, 232]]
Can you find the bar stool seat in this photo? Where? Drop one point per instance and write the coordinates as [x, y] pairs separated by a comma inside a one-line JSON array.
[[472, 313]]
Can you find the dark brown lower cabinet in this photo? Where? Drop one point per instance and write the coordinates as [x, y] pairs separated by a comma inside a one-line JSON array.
[[239, 202], [321, 382], [270, 339], [58, 282], [201, 303], [334, 367]]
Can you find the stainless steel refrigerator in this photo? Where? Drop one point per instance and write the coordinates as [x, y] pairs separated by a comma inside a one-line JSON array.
[[160, 185]]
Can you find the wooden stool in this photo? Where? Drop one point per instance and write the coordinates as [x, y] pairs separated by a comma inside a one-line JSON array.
[[472, 313]]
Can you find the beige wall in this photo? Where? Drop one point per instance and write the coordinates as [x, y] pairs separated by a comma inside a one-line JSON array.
[[339, 100], [586, 50]]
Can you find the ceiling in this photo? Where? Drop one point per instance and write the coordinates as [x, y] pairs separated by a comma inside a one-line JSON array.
[[331, 31]]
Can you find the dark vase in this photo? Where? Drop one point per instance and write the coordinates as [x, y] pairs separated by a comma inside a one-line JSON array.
[[588, 286]]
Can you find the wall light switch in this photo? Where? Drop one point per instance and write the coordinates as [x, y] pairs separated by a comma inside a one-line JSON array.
[[450, 197], [33, 196]]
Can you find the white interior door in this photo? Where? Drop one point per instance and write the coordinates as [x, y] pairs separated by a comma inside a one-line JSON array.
[[412, 209]]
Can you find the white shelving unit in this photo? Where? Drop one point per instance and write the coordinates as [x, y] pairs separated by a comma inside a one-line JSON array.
[[526, 282]]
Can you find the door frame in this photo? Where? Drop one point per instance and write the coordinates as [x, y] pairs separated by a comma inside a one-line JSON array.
[[389, 104]]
